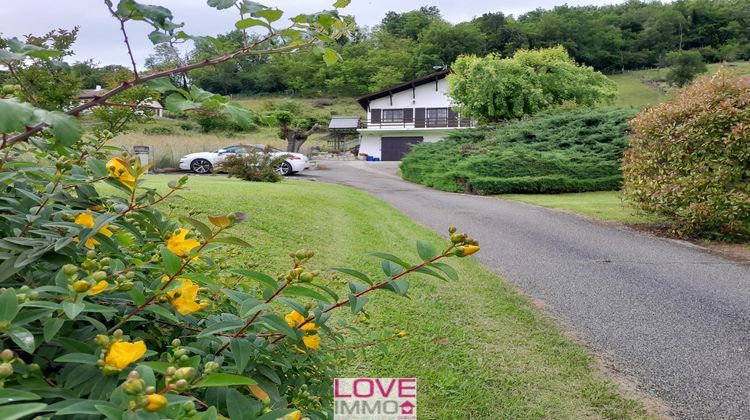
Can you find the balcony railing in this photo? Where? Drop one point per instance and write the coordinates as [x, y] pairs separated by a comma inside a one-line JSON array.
[[418, 123]]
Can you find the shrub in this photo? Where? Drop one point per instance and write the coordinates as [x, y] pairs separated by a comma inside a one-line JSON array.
[[211, 121], [684, 66], [187, 126], [158, 130], [259, 167], [571, 151], [689, 158], [111, 308]]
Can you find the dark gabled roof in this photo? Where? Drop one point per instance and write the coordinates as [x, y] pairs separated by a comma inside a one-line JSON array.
[[343, 122], [365, 100]]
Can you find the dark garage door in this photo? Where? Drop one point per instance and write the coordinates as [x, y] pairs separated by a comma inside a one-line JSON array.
[[394, 148]]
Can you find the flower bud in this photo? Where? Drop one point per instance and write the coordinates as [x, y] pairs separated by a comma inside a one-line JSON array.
[[102, 340], [470, 249], [69, 269], [402, 334], [134, 375], [134, 386], [6, 369], [4, 325], [91, 254], [188, 406], [155, 402], [182, 385], [185, 373], [6, 355], [117, 334], [306, 277], [81, 286], [452, 230], [457, 238], [176, 342], [170, 371], [150, 390], [99, 275]]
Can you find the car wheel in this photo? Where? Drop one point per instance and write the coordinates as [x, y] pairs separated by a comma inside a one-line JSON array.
[[284, 169], [201, 166]]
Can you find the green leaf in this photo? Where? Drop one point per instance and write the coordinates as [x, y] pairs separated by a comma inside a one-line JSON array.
[[390, 257], [296, 306], [447, 269], [330, 57], [231, 240], [219, 327], [163, 84], [158, 37], [221, 4], [67, 130], [83, 358], [241, 350], [170, 261], [162, 312], [302, 291], [430, 272], [426, 251], [261, 278], [159, 367], [223, 379], [51, 327], [250, 307], [355, 274], [341, 3], [14, 395], [390, 268], [73, 309], [201, 227], [19, 411], [8, 267], [178, 104], [271, 15], [357, 303], [80, 408], [249, 23], [399, 286], [8, 305], [239, 115], [14, 115], [23, 338]]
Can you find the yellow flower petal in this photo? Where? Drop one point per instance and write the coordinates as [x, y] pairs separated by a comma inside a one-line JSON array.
[[98, 288], [179, 245], [294, 319], [184, 298], [312, 342], [156, 402], [85, 220], [123, 353], [118, 169], [294, 415], [220, 221]]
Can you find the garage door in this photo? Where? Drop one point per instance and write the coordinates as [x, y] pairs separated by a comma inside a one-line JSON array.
[[394, 148]]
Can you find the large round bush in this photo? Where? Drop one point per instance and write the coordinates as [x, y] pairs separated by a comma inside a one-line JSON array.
[[689, 158]]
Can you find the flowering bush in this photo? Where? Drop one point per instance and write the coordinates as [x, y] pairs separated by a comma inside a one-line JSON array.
[[111, 308], [689, 159]]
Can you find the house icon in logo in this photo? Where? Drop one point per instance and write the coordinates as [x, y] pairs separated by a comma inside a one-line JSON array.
[[407, 407]]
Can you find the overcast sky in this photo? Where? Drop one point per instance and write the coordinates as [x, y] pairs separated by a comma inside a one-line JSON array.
[[100, 39]]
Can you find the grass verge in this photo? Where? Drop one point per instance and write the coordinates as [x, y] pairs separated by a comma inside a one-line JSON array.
[[479, 349], [602, 205]]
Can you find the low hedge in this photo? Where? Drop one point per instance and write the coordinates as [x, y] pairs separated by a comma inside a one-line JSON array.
[[571, 151]]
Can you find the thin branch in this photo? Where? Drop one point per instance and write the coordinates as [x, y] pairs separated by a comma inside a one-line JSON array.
[[127, 41], [98, 100], [25, 89]]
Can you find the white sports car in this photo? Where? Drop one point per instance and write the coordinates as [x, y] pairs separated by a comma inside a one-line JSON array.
[[206, 162]]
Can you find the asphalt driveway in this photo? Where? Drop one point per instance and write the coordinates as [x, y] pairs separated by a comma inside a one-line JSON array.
[[666, 313]]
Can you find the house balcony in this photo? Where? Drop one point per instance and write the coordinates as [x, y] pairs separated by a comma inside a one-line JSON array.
[[418, 124]]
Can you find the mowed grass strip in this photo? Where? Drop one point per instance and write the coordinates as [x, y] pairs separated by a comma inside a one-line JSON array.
[[602, 205], [479, 349]]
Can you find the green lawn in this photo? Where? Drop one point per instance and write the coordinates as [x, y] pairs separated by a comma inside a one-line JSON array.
[[479, 349], [602, 205]]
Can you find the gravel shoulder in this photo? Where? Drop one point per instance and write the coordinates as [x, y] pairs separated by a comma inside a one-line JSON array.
[[667, 313]]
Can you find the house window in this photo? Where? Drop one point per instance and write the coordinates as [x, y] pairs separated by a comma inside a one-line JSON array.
[[393, 115], [437, 117]]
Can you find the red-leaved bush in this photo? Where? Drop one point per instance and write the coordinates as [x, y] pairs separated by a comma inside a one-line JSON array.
[[689, 159]]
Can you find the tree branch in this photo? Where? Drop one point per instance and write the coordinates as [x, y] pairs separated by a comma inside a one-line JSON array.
[[98, 100], [25, 89], [127, 41]]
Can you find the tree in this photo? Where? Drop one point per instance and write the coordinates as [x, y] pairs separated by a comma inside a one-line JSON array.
[[90, 75], [689, 158], [295, 131], [684, 66], [493, 88], [441, 43], [410, 24], [126, 108]]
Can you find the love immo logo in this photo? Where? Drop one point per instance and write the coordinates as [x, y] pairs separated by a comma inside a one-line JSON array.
[[375, 398]]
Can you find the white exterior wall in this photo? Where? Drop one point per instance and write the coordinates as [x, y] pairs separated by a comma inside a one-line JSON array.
[[425, 97], [370, 142]]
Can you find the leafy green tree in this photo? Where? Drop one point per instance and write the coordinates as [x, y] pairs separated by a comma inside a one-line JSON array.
[[410, 24], [129, 107], [684, 66], [493, 88], [90, 75], [295, 130], [441, 43]]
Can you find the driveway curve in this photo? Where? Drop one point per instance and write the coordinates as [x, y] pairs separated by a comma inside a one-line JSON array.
[[666, 313]]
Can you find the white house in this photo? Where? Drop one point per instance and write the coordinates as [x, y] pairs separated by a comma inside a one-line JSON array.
[[412, 112], [86, 95]]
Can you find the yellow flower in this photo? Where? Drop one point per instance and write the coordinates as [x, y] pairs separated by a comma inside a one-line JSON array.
[[118, 169], [470, 249], [295, 318], [155, 402], [259, 393], [179, 245], [294, 415], [312, 342], [87, 220], [123, 353], [98, 288], [184, 297]]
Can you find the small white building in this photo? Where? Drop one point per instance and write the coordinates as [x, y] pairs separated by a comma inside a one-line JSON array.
[[86, 95], [412, 112]]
